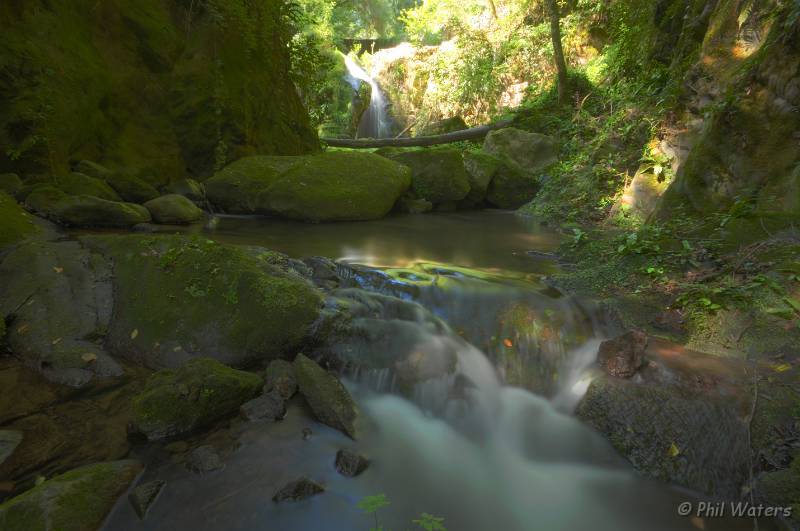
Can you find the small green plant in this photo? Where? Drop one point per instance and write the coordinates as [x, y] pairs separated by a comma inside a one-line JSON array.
[[578, 237], [428, 522], [371, 504]]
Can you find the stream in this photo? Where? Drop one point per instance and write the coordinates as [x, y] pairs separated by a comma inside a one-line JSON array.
[[474, 446]]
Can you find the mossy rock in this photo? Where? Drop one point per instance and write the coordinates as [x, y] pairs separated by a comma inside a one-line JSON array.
[[175, 402], [511, 187], [15, 223], [80, 184], [93, 169], [182, 297], [188, 188], [530, 151], [84, 210], [78, 500], [781, 488], [481, 168], [10, 183], [327, 397], [173, 209], [131, 188], [339, 186], [240, 187], [437, 175]]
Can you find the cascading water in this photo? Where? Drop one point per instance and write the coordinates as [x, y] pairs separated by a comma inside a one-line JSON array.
[[375, 122]]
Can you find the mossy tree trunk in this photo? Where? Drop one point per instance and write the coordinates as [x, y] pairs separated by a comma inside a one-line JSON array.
[[558, 50]]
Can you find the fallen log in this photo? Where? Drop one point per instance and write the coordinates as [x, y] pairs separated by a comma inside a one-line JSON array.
[[474, 133]]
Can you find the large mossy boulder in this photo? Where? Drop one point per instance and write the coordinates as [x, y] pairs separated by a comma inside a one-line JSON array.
[[188, 188], [60, 295], [128, 186], [175, 402], [437, 175], [481, 168], [84, 210], [533, 152], [672, 433], [327, 397], [80, 184], [15, 223], [78, 500], [182, 297], [339, 186], [173, 209], [240, 187], [511, 187]]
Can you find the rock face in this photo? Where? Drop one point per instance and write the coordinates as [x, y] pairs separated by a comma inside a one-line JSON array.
[[175, 402], [61, 296], [531, 151], [350, 464], [15, 223], [85, 210], [339, 186], [173, 209], [623, 355], [298, 490], [437, 175], [327, 397], [672, 434], [76, 501], [177, 298]]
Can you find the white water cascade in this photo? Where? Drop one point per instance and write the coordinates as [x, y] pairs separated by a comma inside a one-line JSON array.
[[375, 122]]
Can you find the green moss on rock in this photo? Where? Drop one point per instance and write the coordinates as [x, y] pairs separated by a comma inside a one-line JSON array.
[[481, 168], [327, 397], [84, 210], [182, 297], [240, 188], [15, 223], [437, 175], [511, 187], [173, 209], [197, 394], [78, 500], [339, 186], [80, 184], [10, 183]]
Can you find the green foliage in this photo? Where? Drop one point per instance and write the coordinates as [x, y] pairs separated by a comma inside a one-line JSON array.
[[428, 522], [371, 504]]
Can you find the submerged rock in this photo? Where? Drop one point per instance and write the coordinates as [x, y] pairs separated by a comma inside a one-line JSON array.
[[327, 397], [270, 406], [145, 495], [177, 298], [298, 490], [78, 500], [173, 209], [437, 175], [175, 402], [622, 356], [280, 378], [350, 464], [84, 210]]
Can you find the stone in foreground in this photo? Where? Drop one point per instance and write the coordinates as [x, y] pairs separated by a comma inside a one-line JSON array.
[[622, 356], [145, 495], [85, 210], [350, 464], [298, 490], [78, 500], [175, 402], [327, 397]]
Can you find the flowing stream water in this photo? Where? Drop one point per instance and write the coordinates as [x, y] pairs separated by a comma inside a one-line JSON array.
[[466, 445], [375, 123]]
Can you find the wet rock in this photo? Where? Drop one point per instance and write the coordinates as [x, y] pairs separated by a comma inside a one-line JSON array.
[[178, 298], [327, 397], [178, 401], [60, 294], [350, 464], [622, 356], [173, 209], [204, 459], [84, 210], [437, 175], [672, 433], [323, 271], [270, 406], [298, 490], [280, 378], [9, 440], [145, 495], [77, 500], [412, 205]]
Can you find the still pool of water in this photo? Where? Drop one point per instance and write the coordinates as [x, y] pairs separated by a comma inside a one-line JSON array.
[[491, 456]]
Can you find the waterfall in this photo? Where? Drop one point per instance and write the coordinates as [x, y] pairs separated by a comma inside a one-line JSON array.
[[375, 122]]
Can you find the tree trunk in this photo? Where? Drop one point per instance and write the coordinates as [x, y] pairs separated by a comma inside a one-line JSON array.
[[493, 8], [558, 51], [474, 133]]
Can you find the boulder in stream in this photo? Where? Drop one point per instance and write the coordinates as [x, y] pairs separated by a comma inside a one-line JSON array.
[[270, 406], [279, 378], [327, 397], [204, 459], [437, 175], [350, 464], [623, 355], [145, 495], [298, 490], [240, 187], [79, 184], [174, 402], [173, 209], [78, 500], [84, 210]]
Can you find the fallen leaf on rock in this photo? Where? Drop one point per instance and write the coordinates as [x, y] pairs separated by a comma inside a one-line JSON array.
[[58, 269], [22, 329], [673, 451], [135, 333], [89, 357]]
